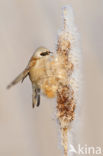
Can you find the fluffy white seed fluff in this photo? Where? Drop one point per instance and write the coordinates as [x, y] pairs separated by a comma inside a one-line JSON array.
[[75, 58]]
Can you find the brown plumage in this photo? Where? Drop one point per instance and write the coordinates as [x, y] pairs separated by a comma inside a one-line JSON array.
[[45, 72], [30, 70]]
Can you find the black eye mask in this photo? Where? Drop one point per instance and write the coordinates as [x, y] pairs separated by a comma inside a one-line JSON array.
[[45, 53]]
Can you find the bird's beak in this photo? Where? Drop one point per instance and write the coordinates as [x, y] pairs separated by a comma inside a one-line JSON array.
[[51, 53]]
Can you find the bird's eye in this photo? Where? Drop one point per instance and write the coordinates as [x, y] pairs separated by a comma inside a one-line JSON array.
[[45, 53]]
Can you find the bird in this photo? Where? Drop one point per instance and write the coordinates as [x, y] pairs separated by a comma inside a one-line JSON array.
[[45, 71]]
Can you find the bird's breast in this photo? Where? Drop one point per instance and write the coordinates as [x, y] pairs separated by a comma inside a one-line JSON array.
[[46, 74]]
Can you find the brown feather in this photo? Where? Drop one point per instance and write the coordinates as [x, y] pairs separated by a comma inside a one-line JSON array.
[[20, 77], [24, 74]]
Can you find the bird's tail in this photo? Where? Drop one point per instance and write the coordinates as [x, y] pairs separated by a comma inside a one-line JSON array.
[[20, 77], [35, 96]]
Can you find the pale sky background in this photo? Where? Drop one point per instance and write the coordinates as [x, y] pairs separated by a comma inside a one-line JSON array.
[[25, 25]]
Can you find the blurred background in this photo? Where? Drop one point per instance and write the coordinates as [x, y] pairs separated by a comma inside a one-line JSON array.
[[25, 25]]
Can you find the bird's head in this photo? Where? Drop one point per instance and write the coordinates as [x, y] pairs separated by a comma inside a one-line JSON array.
[[41, 52]]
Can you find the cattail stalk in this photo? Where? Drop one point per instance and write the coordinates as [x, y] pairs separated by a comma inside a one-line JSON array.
[[68, 93]]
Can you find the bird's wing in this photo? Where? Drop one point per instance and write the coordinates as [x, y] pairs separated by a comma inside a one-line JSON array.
[[20, 77], [24, 74], [35, 96]]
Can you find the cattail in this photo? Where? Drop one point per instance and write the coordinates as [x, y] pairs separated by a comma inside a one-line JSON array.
[[68, 90]]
